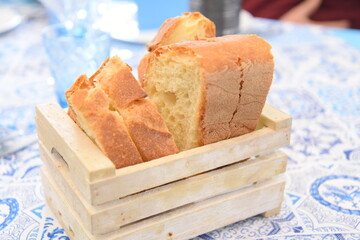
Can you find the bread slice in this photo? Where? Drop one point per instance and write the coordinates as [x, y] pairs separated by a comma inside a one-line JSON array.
[[148, 130], [145, 124], [115, 78], [91, 109], [114, 91], [189, 26], [212, 89]]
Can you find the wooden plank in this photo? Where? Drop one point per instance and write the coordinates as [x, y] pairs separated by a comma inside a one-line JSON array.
[[63, 210], [109, 217], [187, 163], [182, 223], [274, 118], [56, 130], [61, 175]]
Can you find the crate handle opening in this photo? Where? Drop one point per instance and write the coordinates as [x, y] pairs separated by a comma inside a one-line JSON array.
[[58, 157]]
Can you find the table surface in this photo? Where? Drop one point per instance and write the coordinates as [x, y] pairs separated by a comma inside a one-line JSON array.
[[317, 81]]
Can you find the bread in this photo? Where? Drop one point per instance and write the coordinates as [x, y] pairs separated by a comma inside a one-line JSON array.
[[89, 107], [111, 108], [148, 130], [146, 126], [142, 68], [189, 26], [212, 89]]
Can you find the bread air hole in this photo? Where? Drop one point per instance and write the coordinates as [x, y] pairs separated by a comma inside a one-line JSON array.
[[170, 98], [173, 84]]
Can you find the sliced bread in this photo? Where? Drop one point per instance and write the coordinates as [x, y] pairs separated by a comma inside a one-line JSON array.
[[212, 89], [189, 26], [91, 109], [113, 93]]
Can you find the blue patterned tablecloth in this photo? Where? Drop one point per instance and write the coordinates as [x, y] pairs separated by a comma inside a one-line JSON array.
[[317, 81]]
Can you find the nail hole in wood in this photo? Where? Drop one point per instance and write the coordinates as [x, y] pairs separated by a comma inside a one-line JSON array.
[[71, 231]]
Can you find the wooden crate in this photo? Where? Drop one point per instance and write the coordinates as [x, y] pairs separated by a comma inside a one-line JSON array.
[[174, 197]]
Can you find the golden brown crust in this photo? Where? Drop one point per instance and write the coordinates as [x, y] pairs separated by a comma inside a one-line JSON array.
[[250, 66], [142, 68], [169, 26], [148, 130], [90, 106], [116, 79], [167, 31], [237, 72], [164, 31]]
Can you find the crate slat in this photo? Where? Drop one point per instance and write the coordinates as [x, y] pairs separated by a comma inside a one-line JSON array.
[[274, 118], [187, 163], [182, 223], [109, 217]]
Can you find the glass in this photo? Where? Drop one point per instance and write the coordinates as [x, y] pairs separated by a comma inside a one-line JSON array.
[[73, 51], [224, 13], [74, 11]]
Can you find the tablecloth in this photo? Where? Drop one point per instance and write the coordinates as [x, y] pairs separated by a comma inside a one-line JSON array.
[[317, 81]]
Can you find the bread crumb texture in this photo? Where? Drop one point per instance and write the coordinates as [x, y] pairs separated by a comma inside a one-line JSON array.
[[174, 86]]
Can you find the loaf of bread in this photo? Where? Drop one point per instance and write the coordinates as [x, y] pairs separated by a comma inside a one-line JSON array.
[[212, 89], [112, 110], [189, 26]]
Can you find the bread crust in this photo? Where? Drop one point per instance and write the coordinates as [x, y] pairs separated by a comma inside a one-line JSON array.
[[236, 74], [170, 25], [89, 107], [142, 68], [116, 79], [167, 30], [244, 61]]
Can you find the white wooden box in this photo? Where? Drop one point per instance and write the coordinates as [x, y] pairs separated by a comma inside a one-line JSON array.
[[174, 197]]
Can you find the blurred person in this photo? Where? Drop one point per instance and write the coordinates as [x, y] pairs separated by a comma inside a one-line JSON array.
[[332, 13]]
